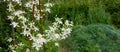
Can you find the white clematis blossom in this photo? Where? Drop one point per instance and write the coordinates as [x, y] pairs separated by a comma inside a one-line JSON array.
[[57, 31], [14, 24], [10, 40], [38, 41], [57, 44], [21, 44]]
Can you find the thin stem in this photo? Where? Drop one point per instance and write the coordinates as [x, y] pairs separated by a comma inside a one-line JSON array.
[[40, 5], [13, 33], [33, 8]]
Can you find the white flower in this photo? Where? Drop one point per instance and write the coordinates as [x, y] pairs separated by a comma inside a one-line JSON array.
[[58, 30], [11, 47], [31, 24], [57, 44], [10, 17], [48, 4], [66, 30], [29, 4], [48, 10], [10, 7], [52, 28], [39, 35], [22, 18], [33, 27], [38, 41], [18, 1], [37, 17], [13, 51], [59, 20], [17, 13], [36, 29], [14, 24], [10, 39], [27, 50], [26, 33], [56, 36], [21, 44], [55, 24], [24, 26], [37, 46], [68, 23]]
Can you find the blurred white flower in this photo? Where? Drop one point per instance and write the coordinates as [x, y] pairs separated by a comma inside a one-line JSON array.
[[59, 30], [27, 50], [10, 7], [10, 39], [48, 4], [21, 44], [37, 46], [56, 36], [29, 4], [22, 18], [59, 20], [38, 41], [11, 47], [26, 33], [48, 10], [14, 24], [57, 44], [13, 51], [33, 27], [10, 17], [68, 23], [18, 13]]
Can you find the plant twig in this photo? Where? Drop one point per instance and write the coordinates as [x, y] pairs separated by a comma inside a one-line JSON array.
[[41, 16], [33, 8]]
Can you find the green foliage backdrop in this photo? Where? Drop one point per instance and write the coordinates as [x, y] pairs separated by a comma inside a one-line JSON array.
[[96, 25], [94, 38]]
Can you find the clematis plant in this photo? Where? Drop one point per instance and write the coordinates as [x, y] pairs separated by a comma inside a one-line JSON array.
[[26, 26]]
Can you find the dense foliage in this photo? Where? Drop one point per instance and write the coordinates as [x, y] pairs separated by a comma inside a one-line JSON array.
[[97, 25], [94, 38]]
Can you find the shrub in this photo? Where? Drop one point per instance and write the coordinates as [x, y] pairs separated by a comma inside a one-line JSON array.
[[94, 38]]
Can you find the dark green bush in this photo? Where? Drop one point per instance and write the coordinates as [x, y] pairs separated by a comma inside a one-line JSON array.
[[94, 38]]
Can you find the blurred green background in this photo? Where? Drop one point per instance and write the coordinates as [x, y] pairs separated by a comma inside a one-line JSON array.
[[96, 25]]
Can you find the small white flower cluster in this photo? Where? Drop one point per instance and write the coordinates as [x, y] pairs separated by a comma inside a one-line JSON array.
[[11, 7], [48, 5], [27, 50], [13, 47], [58, 32], [17, 1], [10, 40], [52, 34], [38, 41], [57, 44], [37, 16], [30, 4], [15, 24], [14, 13]]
